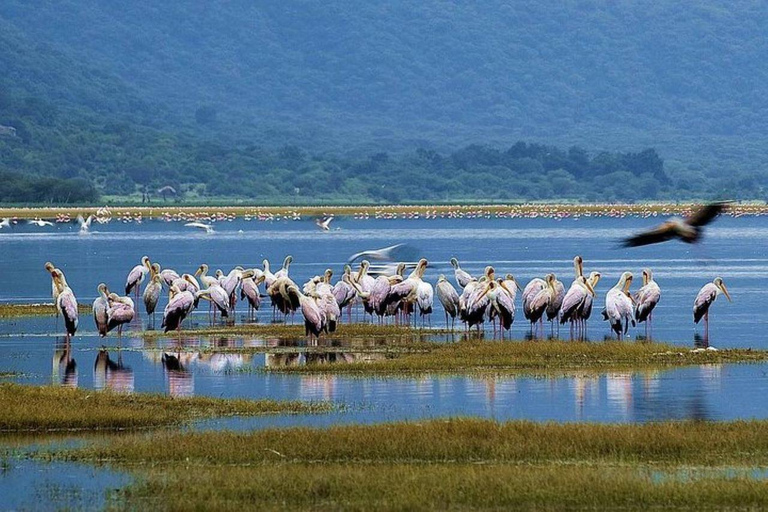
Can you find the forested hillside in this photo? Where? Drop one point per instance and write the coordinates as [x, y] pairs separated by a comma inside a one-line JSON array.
[[340, 100]]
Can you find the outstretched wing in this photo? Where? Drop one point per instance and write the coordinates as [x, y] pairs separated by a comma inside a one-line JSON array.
[[655, 235], [707, 213]]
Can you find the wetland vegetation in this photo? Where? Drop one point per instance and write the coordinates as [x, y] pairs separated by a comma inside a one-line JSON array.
[[46, 408], [23, 310], [541, 357], [454, 463]]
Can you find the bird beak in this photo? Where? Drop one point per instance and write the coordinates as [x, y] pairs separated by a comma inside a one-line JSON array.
[[505, 288], [198, 271], [725, 291], [589, 287], [248, 274]]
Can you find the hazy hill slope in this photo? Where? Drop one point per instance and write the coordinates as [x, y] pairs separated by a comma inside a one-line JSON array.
[[585, 71], [304, 99]]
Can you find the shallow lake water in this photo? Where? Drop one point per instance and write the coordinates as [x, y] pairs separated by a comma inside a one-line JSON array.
[[34, 485], [734, 249], [33, 352]]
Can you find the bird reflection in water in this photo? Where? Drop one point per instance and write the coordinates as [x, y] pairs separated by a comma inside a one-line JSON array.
[[64, 365], [618, 387], [221, 363], [318, 387], [700, 341], [582, 387], [281, 359], [113, 375], [181, 381]]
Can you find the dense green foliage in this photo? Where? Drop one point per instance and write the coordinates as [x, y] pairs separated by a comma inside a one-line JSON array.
[[343, 101]]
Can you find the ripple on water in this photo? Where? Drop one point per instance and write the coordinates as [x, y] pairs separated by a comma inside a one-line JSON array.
[[27, 484]]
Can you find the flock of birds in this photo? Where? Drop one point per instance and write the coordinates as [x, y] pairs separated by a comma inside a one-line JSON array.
[[397, 297]]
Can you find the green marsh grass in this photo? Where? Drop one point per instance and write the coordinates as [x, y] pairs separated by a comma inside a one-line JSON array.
[[296, 331], [551, 356], [461, 463], [47, 408], [21, 310]]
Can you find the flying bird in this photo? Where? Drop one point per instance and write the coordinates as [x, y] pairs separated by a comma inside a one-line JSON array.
[[40, 222], [199, 225], [85, 224], [689, 229], [324, 224], [391, 253]]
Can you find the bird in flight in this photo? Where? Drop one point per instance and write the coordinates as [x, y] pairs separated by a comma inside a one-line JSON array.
[[85, 224], [689, 229], [40, 222], [199, 225], [324, 224]]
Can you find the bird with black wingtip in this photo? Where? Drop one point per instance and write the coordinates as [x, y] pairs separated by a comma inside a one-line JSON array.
[[688, 230]]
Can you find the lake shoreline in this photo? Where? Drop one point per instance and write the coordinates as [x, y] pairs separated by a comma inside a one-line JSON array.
[[256, 212]]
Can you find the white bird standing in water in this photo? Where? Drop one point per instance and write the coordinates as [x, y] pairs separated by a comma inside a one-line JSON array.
[[121, 311], [283, 272], [500, 300], [576, 294], [585, 310], [574, 300], [646, 299], [537, 303], [407, 291], [463, 277], [5, 223], [136, 276], [180, 305], [553, 308], [100, 307], [618, 306], [66, 303], [705, 298], [425, 295], [54, 285], [152, 295], [448, 297], [314, 316]]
